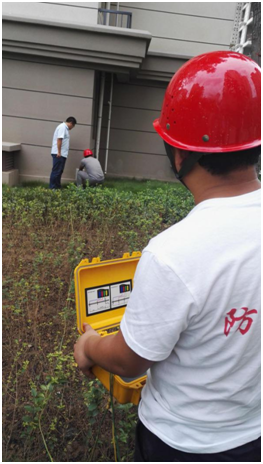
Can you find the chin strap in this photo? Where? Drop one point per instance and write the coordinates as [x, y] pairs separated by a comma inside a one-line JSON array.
[[170, 153], [187, 164]]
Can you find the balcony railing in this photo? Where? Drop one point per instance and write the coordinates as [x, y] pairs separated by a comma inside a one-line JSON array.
[[116, 19]]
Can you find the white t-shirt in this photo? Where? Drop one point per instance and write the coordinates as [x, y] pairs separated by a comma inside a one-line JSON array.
[[195, 310], [61, 132]]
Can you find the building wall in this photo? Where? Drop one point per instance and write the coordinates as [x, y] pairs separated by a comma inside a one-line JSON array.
[[39, 96], [184, 28], [36, 98], [135, 148], [178, 28], [68, 11]]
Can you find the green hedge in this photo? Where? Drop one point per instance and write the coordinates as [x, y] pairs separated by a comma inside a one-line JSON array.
[[149, 207]]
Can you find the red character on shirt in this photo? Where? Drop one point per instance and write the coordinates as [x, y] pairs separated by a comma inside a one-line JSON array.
[[245, 321]]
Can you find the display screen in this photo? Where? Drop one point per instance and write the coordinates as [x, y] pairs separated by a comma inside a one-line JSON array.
[[103, 292], [125, 288], [107, 297]]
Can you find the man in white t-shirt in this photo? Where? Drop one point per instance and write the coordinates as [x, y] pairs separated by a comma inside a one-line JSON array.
[[193, 318], [59, 151]]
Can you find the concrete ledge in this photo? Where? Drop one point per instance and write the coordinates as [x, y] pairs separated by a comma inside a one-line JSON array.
[[102, 47], [11, 178], [160, 67], [10, 146]]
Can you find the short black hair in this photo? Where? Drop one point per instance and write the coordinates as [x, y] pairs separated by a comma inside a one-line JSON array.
[[72, 120], [224, 163]]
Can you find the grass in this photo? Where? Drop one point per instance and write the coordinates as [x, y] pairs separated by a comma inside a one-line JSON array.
[[134, 185], [121, 184], [50, 411]]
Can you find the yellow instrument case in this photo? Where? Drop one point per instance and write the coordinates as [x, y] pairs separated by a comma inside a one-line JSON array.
[[102, 290]]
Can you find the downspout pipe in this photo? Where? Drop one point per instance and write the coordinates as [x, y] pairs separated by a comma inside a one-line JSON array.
[[117, 19], [102, 88], [109, 123], [108, 14]]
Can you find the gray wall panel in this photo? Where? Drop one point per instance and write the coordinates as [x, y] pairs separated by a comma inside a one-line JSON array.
[[162, 64], [136, 142], [78, 4], [133, 119], [21, 103], [36, 98], [188, 28], [225, 10], [135, 148], [184, 48], [35, 163], [140, 166], [40, 133], [47, 78], [137, 96], [52, 11]]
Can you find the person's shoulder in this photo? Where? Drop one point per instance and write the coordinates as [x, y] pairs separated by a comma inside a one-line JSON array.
[[96, 162], [171, 238], [184, 236], [205, 223], [60, 127]]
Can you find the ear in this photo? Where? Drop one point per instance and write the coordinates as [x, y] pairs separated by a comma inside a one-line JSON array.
[[179, 157]]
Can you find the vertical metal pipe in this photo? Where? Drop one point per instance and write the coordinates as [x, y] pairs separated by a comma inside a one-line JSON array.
[[102, 87], [108, 14], [109, 123], [117, 16]]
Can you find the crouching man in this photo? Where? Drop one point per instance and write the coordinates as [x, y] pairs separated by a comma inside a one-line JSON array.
[[89, 170]]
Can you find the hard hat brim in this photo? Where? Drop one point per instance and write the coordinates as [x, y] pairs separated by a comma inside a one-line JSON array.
[[205, 148]]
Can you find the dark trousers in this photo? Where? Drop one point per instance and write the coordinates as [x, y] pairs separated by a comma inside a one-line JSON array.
[[149, 448], [57, 171]]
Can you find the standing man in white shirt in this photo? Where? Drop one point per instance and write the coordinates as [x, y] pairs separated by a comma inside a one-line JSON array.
[[193, 318], [59, 151]]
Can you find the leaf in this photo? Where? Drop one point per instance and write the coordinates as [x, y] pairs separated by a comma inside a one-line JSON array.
[[27, 419], [29, 408], [92, 407], [34, 392]]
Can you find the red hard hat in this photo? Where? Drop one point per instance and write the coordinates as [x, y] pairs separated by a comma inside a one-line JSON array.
[[212, 104], [87, 153]]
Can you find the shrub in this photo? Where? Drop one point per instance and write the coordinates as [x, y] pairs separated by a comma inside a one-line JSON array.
[[50, 411]]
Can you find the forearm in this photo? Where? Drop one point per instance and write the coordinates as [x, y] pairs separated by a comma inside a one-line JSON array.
[[59, 145], [106, 352]]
